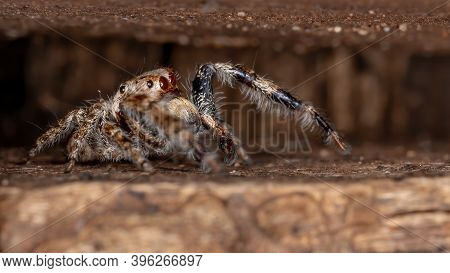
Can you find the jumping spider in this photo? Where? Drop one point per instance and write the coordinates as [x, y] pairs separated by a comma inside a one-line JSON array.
[[149, 117]]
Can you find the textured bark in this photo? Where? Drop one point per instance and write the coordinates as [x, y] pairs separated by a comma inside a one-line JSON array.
[[369, 215]]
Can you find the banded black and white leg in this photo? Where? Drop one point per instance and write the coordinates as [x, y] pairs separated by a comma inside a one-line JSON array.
[[264, 93], [204, 100]]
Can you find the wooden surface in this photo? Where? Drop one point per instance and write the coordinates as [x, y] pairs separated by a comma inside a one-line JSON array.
[[368, 216], [281, 204]]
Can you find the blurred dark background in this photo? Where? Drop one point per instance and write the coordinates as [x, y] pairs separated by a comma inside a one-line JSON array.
[[397, 90]]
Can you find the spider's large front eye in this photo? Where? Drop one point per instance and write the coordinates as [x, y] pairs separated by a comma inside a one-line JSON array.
[[150, 84], [173, 78], [122, 89], [163, 82]]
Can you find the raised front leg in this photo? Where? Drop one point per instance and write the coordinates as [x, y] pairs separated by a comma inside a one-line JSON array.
[[203, 98], [264, 93], [58, 133]]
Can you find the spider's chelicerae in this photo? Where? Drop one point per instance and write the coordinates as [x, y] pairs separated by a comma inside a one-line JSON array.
[[148, 117]]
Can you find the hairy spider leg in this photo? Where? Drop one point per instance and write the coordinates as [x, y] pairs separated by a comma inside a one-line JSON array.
[[58, 133], [264, 93]]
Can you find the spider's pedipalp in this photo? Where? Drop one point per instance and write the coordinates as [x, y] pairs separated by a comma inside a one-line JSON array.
[[264, 93], [150, 140], [178, 122], [120, 138]]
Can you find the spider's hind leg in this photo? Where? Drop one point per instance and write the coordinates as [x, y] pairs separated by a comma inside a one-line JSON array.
[[264, 93], [57, 133]]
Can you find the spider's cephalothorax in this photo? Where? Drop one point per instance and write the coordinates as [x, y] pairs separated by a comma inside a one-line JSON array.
[[148, 117]]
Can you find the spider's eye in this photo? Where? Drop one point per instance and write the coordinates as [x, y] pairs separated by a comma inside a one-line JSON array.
[[163, 82], [173, 78], [122, 89], [149, 83]]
